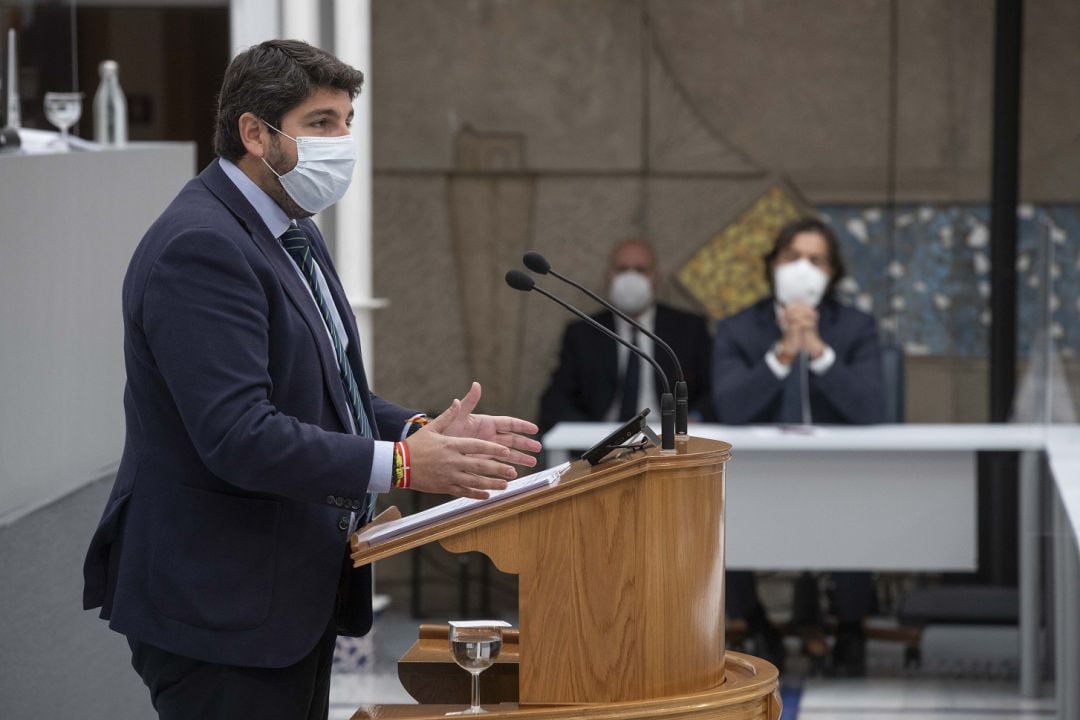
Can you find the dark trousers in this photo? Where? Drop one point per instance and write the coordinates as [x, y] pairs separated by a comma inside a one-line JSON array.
[[852, 598], [186, 689]]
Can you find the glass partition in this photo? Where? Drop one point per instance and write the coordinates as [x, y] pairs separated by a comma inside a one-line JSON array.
[[1049, 314], [928, 284]]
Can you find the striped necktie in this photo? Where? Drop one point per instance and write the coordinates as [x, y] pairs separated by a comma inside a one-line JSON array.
[[298, 245], [794, 396]]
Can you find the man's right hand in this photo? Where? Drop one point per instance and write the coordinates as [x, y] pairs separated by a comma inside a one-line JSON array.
[[463, 467]]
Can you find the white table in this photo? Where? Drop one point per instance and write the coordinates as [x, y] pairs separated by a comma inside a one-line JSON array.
[[895, 497]]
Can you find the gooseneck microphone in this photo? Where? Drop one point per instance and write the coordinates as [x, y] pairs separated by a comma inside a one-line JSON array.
[[523, 282], [539, 265]]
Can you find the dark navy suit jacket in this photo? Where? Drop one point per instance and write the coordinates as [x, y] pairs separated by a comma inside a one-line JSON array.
[[745, 390], [225, 533], [584, 385]]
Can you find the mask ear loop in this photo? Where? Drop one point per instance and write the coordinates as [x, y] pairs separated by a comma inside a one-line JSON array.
[[279, 132], [271, 169]]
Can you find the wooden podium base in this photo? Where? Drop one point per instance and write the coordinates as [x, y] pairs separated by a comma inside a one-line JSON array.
[[612, 561], [750, 691]]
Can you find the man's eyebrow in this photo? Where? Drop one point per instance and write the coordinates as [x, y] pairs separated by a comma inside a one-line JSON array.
[[322, 112]]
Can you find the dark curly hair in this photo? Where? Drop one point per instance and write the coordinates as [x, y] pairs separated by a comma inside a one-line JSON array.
[[787, 235], [269, 80]]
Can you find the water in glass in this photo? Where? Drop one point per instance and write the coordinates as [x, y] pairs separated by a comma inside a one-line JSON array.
[[475, 645], [63, 110]]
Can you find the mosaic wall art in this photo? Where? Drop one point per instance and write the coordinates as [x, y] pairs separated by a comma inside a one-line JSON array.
[[727, 273], [931, 289]]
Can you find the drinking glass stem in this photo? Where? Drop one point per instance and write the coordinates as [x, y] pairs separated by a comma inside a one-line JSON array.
[[475, 693]]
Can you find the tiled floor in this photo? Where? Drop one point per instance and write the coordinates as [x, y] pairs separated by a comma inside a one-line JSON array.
[[923, 698], [890, 693]]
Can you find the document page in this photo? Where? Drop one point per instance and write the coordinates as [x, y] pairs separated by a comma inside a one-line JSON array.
[[453, 508]]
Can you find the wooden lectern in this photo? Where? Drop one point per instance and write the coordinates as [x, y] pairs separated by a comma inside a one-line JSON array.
[[621, 585]]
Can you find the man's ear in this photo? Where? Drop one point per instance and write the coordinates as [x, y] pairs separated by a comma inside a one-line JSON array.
[[254, 134]]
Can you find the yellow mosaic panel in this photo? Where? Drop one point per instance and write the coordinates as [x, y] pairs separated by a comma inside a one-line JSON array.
[[727, 274]]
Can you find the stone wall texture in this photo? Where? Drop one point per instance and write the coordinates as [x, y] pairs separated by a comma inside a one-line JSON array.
[[566, 125]]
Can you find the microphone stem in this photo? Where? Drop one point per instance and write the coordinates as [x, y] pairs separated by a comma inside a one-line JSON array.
[[667, 400]]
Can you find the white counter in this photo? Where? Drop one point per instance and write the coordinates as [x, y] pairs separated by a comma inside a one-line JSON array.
[[68, 224]]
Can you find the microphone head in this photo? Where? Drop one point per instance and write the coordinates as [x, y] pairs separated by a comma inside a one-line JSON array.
[[520, 281], [536, 262]]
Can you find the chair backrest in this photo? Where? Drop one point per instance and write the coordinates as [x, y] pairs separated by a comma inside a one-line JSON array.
[[892, 365]]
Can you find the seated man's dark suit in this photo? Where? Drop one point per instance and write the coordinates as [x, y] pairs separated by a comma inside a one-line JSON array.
[[225, 534], [746, 391], [586, 382]]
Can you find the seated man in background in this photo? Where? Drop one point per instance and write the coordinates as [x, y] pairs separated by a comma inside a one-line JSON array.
[[596, 380], [800, 357]]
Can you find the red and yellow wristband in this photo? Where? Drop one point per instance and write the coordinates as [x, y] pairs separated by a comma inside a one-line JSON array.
[[402, 475]]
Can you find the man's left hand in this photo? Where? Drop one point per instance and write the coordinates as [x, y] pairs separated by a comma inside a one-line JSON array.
[[510, 432]]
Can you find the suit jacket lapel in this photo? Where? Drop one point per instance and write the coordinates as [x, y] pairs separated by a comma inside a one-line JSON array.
[[219, 184], [828, 328], [609, 358]]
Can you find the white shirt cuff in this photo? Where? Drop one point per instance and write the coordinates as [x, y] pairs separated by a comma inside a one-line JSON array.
[[382, 467], [824, 362], [779, 369]]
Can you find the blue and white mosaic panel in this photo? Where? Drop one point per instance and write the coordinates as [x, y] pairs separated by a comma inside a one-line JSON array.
[[930, 287]]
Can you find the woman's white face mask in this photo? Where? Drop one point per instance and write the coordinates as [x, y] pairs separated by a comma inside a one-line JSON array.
[[324, 169], [799, 282]]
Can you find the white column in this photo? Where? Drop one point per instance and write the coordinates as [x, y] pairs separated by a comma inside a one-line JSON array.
[[300, 21], [353, 227], [251, 22]]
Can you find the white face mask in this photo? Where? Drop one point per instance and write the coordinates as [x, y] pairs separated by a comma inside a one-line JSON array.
[[324, 169], [631, 292], [799, 282]]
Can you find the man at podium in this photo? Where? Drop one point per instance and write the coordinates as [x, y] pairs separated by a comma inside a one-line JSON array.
[[254, 446]]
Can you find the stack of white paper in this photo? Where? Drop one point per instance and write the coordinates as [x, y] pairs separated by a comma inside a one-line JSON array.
[[453, 508]]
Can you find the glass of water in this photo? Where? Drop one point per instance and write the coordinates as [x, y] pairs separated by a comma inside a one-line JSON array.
[[63, 110], [475, 645]]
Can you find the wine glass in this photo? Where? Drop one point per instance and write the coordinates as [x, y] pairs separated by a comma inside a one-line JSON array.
[[63, 110], [475, 644]]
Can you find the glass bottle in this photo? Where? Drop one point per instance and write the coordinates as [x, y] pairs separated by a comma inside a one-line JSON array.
[[110, 107], [14, 111]]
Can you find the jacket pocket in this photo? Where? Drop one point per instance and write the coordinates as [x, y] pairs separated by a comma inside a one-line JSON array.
[[214, 563], [98, 557]]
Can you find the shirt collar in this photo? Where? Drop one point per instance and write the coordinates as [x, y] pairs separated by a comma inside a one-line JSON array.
[[275, 219]]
